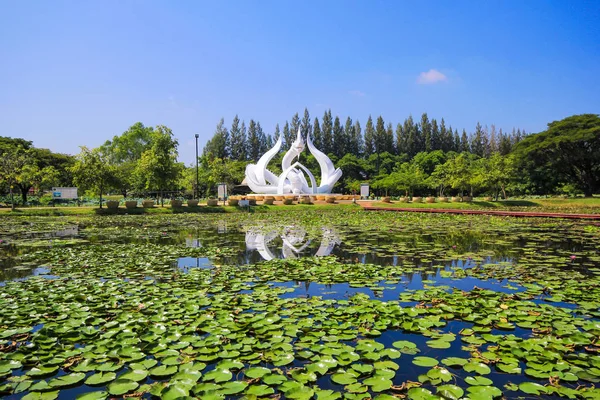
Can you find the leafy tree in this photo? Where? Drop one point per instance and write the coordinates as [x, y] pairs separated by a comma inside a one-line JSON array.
[[12, 163], [129, 146], [158, 168], [569, 148], [93, 171], [459, 172]]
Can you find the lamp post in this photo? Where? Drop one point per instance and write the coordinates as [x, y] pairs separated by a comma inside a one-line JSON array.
[[196, 191]]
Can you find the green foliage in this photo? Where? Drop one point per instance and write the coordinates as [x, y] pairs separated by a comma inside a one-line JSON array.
[[568, 149], [92, 171]]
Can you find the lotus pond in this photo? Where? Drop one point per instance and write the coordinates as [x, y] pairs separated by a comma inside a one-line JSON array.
[[323, 304]]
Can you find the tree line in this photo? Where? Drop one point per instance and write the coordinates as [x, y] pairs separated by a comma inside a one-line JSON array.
[[422, 158], [332, 137]]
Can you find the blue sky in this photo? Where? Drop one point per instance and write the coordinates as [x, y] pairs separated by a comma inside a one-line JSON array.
[[79, 72]]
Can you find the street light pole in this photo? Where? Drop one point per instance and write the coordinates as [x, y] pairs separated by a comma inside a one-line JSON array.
[[196, 194]]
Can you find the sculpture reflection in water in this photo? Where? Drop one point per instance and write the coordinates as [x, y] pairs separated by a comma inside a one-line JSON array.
[[295, 243]]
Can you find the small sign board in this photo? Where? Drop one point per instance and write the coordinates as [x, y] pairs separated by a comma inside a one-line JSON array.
[[364, 190], [64, 192], [222, 191], [244, 203]]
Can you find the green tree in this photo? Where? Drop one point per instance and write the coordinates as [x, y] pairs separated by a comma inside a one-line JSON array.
[[306, 127], [569, 149], [158, 168], [218, 145], [369, 138], [425, 141], [477, 142], [12, 163], [400, 140], [358, 141], [129, 146], [317, 136], [288, 136], [351, 146], [339, 145], [253, 142], [327, 133], [294, 127], [93, 171], [237, 140], [436, 137]]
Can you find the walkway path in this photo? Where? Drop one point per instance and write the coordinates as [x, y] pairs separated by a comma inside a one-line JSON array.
[[368, 207]]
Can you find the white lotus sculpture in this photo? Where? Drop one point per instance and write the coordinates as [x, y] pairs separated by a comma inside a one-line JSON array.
[[294, 242], [293, 179]]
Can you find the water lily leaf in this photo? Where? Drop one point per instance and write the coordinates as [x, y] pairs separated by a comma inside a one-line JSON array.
[[163, 370], [438, 344], [420, 394], [387, 364], [41, 396], [451, 392], [478, 381], [218, 375], [256, 372], [233, 387], [42, 371], [100, 378], [509, 368], [260, 390], [100, 395], [7, 365], [282, 360], [483, 392], [362, 368], [136, 375], [273, 379], [319, 367], [67, 380], [327, 395], [343, 378], [425, 361], [404, 344], [300, 393], [378, 383], [173, 392], [121, 386], [480, 368], [454, 361], [532, 388]]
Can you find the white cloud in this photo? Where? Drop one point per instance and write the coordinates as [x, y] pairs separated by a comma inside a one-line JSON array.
[[356, 93], [430, 77]]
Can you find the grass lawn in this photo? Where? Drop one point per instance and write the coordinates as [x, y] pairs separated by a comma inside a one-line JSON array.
[[582, 205]]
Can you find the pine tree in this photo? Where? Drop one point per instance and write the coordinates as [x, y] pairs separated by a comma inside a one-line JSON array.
[[288, 137], [493, 139], [305, 126], [294, 126], [358, 140], [254, 146], [504, 144], [389, 139], [276, 134], [445, 145], [379, 135], [269, 143], [369, 138], [456, 142], [485, 142], [425, 138], [237, 141], [262, 139], [436, 141], [218, 145], [338, 138], [317, 136], [327, 132], [477, 141], [400, 140], [410, 132], [350, 144], [464, 142]]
